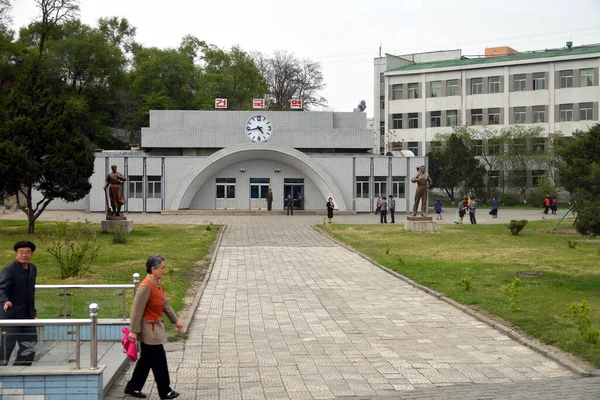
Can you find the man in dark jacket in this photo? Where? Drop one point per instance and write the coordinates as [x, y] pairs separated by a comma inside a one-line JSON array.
[[17, 299]]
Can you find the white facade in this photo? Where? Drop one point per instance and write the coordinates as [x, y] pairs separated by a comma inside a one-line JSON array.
[[205, 160], [555, 89]]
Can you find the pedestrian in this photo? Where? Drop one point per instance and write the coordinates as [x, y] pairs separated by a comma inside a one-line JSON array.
[[462, 207], [547, 203], [378, 208], [472, 208], [269, 199], [147, 327], [330, 206], [392, 207], [17, 298], [438, 209], [383, 211], [290, 204], [554, 205], [494, 210]]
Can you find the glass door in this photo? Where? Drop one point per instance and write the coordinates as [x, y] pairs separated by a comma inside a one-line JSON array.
[[258, 193], [225, 194]]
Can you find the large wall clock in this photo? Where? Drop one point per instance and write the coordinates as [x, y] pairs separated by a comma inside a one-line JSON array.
[[259, 128]]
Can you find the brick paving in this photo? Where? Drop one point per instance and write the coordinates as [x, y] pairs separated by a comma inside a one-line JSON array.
[[289, 314]]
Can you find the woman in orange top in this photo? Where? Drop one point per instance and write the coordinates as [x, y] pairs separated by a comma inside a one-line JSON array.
[[149, 306]]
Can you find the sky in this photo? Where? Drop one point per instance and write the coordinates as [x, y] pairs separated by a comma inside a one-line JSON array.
[[346, 35]]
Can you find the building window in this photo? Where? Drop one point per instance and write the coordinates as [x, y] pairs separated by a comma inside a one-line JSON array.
[[520, 115], [493, 178], [493, 116], [536, 174], [396, 121], [586, 77], [538, 145], [519, 177], [397, 92], [154, 187], [566, 112], [452, 117], [398, 187], [539, 81], [476, 116], [520, 82], [566, 78], [413, 120], [476, 85], [413, 90], [225, 188], [436, 89], [436, 119], [382, 128], [135, 187], [414, 147], [382, 102], [452, 87], [539, 114], [435, 145], [380, 186], [477, 147], [495, 147], [586, 111], [494, 84], [362, 187]]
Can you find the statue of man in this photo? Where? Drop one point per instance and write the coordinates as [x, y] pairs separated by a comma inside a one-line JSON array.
[[423, 182], [115, 192]]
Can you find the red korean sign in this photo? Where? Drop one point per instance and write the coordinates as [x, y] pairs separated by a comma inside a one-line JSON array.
[[220, 103], [258, 103], [296, 104]]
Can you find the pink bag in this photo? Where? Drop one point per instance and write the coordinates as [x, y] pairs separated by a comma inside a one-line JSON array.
[[129, 348]]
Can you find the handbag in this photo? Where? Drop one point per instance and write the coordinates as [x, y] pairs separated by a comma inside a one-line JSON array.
[[129, 348]]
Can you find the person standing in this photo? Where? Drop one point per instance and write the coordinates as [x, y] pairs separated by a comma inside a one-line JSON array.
[[330, 206], [378, 205], [554, 205], [547, 203], [472, 208], [494, 211], [383, 211], [392, 207], [462, 208], [17, 298], [438, 209], [115, 192], [289, 202], [147, 327], [269, 199]]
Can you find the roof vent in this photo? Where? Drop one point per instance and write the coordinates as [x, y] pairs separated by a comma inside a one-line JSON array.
[[569, 44]]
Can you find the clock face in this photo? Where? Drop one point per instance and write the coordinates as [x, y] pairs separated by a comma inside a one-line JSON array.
[[259, 128]]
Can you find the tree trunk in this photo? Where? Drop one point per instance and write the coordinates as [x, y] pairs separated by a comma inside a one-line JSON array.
[[31, 219]]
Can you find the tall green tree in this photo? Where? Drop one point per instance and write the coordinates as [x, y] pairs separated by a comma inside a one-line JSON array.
[[579, 172], [40, 147], [454, 166]]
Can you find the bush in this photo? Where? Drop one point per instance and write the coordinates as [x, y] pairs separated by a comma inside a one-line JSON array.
[[581, 313], [119, 235], [510, 199], [516, 226], [74, 245]]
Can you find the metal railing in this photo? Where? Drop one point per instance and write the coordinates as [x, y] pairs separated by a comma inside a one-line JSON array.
[[78, 323], [65, 294]]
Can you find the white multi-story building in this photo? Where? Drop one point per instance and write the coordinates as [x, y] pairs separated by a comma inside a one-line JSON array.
[[421, 95]]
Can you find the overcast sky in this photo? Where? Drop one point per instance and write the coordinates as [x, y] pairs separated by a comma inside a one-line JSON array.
[[345, 35]]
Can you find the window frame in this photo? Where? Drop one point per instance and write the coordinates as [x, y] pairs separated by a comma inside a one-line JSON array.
[[537, 79], [397, 88], [136, 187], [589, 76], [565, 81], [395, 119], [455, 115], [437, 117], [152, 181], [588, 109], [451, 88], [522, 112], [438, 88], [520, 82], [537, 112], [362, 187], [413, 90], [476, 83], [411, 118], [494, 86], [565, 114], [495, 115], [480, 114]]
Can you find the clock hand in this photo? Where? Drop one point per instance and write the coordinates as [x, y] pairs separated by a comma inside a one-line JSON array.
[[260, 129]]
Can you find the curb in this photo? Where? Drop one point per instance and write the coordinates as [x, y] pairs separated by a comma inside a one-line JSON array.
[[547, 351], [189, 316]]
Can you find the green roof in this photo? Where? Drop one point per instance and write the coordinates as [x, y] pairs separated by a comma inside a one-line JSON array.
[[574, 51]]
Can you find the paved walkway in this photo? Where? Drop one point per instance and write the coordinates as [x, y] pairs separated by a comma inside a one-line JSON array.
[[288, 314]]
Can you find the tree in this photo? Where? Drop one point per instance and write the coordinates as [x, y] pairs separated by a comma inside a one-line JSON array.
[[454, 165], [291, 78], [53, 13], [579, 171], [40, 146]]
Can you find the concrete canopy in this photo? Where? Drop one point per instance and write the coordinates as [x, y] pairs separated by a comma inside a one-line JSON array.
[[260, 151]]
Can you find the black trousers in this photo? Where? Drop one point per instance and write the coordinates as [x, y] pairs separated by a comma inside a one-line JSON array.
[[290, 209], [269, 205], [383, 217], [472, 218], [152, 357], [392, 215], [27, 338]]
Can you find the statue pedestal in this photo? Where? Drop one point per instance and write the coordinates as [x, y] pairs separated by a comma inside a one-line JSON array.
[[110, 225], [420, 224]]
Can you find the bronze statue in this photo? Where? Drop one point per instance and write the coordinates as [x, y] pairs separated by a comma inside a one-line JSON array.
[[423, 182], [115, 192]]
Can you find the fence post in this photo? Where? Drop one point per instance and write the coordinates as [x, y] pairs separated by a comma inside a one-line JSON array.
[[78, 347], [136, 283], [94, 336]]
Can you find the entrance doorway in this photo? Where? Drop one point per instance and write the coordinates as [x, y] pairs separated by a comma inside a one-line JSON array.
[[295, 187], [225, 194], [258, 193]]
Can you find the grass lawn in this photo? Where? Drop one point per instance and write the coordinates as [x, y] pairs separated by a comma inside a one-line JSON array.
[[492, 256], [181, 245]]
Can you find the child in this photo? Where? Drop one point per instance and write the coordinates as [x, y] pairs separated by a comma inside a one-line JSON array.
[[438, 209]]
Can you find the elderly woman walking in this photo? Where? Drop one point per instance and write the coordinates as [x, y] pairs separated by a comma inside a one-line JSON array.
[[149, 306]]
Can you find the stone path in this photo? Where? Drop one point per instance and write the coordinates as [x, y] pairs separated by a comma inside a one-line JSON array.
[[289, 314]]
